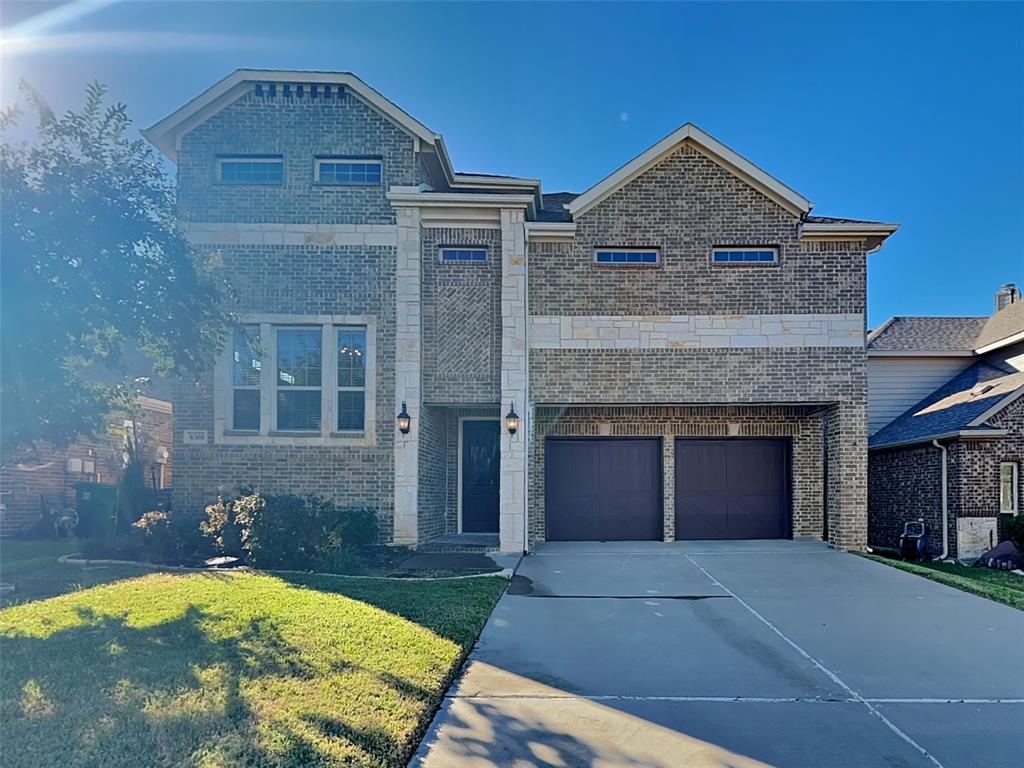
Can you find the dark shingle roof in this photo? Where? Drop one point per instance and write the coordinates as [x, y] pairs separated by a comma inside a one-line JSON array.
[[1006, 322], [927, 334], [554, 206], [952, 407]]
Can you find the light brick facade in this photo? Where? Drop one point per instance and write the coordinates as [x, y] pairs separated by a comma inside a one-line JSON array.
[[682, 348]]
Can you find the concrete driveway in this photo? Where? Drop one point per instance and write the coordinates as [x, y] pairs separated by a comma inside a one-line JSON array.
[[733, 654]]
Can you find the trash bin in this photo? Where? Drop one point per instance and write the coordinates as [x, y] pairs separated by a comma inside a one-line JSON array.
[[96, 504]]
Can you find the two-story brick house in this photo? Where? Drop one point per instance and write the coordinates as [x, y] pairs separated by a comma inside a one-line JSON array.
[[683, 343]]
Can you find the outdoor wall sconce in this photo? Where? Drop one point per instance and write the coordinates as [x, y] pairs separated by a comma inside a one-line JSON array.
[[404, 420], [512, 420]]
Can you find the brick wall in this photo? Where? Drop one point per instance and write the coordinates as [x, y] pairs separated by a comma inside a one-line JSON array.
[[461, 319], [433, 472], [299, 128], [686, 205], [796, 424], [28, 475], [300, 280]]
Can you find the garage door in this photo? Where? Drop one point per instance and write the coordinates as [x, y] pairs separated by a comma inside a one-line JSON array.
[[602, 489], [732, 489]]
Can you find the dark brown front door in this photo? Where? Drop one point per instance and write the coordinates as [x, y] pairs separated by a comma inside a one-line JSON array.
[[732, 489], [480, 452], [602, 489]]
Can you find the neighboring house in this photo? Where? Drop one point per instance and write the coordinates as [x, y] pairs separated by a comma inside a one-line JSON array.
[[683, 343], [43, 473], [946, 390]]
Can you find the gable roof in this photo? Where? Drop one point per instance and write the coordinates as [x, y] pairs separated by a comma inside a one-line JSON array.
[[166, 134], [727, 158], [1002, 327], [961, 407], [930, 335]]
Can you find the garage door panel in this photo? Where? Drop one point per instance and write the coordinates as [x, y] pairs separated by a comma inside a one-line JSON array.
[[603, 489], [732, 489]]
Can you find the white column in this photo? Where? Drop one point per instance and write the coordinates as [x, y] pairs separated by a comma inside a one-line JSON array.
[[408, 356], [512, 506]]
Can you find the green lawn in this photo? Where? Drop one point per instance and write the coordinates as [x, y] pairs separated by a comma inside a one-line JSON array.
[[230, 669], [1000, 586]]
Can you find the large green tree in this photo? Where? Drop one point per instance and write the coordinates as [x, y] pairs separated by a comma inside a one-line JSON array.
[[92, 262]]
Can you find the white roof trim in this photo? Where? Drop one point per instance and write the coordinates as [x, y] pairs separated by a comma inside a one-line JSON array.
[[411, 197], [997, 407], [1013, 338], [963, 434], [772, 187], [919, 352], [165, 134], [550, 231], [473, 180], [849, 229]]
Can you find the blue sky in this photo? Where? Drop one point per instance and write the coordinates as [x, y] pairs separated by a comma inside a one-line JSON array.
[[900, 112]]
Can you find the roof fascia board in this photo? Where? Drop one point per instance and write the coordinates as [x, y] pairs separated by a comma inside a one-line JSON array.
[[920, 353], [848, 229], [1003, 342], [413, 198], [550, 231], [733, 162], [872, 334], [513, 182], [962, 434], [1010, 398]]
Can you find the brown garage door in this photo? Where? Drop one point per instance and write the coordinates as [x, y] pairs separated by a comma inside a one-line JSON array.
[[732, 489], [602, 489]]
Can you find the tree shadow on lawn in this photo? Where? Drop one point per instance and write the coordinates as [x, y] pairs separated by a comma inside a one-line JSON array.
[[104, 692], [454, 609]]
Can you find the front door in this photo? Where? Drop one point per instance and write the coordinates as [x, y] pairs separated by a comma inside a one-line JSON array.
[[480, 457]]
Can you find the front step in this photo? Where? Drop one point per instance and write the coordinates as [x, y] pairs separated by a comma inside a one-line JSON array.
[[462, 542]]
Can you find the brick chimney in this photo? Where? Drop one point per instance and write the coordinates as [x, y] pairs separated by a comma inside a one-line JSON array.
[[1008, 294]]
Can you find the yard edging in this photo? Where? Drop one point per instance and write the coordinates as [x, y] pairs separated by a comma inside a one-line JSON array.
[[506, 573]]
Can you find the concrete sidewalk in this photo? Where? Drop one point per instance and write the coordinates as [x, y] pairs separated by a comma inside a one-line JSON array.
[[733, 654]]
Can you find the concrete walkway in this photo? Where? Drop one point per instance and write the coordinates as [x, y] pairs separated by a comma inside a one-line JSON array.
[[733, 654]]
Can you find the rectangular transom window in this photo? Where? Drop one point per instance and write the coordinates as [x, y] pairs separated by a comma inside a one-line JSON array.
[[464, 254], [246, 370], [250, 169], [346, 170], [351, 379], [627, 256], [745, 255], [1009, 487]]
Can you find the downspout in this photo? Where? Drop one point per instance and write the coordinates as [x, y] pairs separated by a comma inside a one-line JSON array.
[[945, 501]]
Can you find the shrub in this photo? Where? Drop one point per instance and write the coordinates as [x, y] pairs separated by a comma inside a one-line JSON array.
[[1015, 530], [116, 548], [348, 560], [169, 538], [227, 518]]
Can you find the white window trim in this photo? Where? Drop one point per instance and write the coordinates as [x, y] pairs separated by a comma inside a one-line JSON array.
[[250, 159], [1014, 488], [318, 161], [268, 434], [627, 249], [734, 248]]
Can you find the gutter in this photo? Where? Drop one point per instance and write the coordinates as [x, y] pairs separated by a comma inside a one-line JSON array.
[[945, 501], [962, 434]]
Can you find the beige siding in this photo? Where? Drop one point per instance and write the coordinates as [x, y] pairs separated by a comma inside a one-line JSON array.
[[897, 383]]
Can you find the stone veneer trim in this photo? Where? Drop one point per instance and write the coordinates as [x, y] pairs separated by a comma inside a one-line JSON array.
[[682, 331]]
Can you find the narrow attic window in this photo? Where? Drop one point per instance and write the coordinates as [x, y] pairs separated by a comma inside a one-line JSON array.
[[744, 255], [477, 255], [627, 257], [250, 169], [349, 171]]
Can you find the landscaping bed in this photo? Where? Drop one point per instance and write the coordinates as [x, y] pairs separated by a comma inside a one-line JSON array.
[[229, 668], [1001, 586]]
